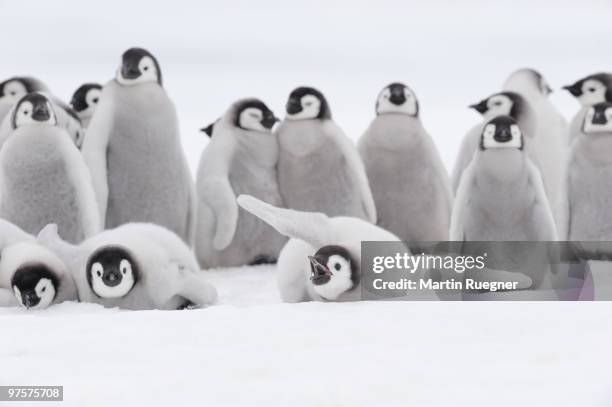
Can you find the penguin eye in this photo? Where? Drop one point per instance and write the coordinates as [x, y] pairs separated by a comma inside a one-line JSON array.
[[43, 289], [146, 68], [26, 112], [498, 103], [13, 93], [99, 273], [307, 103], [125, 266], [337, 266], [95, 100], [591, 90]]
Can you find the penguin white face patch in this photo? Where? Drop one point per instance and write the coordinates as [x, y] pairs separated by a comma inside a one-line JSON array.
[[112, 283], [147, 70], [397, 99], [311, 107], [598, 119], [593, 92], [34, 111], [498, 105], [13, 91], [92, 98], [491, 138], [338, 277], [250, 119], [46, 292]]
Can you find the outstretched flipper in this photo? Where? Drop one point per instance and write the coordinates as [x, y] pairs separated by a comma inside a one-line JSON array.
[[356, 170], [312, 227]]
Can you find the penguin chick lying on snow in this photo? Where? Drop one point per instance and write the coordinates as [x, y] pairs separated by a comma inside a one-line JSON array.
[[137, 266], [321, 260], [30, 274]]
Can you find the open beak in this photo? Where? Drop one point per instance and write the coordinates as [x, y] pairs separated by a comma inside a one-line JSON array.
[[318, 270]]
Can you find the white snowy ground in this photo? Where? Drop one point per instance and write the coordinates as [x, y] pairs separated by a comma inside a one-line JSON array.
[[251, 349]]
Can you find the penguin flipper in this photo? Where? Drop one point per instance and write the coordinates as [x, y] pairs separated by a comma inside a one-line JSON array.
[[356, 171], [547, 227], [314, 228], [222, 200], [95, 147], [7, 299]]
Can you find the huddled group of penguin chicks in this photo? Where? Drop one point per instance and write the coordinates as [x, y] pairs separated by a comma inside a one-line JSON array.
[[97, 203]]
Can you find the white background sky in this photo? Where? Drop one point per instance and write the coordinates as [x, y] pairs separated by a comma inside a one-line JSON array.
[[213, 52]]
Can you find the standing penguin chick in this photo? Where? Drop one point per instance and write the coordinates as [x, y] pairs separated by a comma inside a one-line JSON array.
[[134, 151], [501, 196], [30, 274], [589, 179], [405, 170], [319, 169], [85, 100], [137, 266], [551, 139], [321, 260], [43, 178], [499, 104], [13, 89], [589, 91], [240, 158]]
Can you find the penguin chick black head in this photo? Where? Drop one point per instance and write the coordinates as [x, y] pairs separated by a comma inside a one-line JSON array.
[[35, 286], [333, 272], [33, 109], [501, 132], [138, 66], [15, 88], [86, 97], [397, 98], [598, 119], [593, 89], [501, 104], [307, 103], [253, 114], [112, 272]]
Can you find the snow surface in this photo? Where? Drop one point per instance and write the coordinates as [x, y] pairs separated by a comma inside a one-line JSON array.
[[250, 349]]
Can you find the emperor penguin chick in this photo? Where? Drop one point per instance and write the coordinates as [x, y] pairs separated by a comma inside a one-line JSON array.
[[137, 266], [43, 178], [65, 117], [321, 260], [588, 181], [502, 103], [319, 168], [85, 100], [551, 140], [13, 89], [501, 196], [134, 151], [405, 170], [30, 274], [240, 158], [589, 91]]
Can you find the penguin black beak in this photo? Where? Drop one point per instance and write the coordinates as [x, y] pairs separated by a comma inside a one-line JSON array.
[[599, 117], [573, 89], [269, 121], [130, 71], [294, 106], [208, 129], [112, 278], [319, 274], [40, 112], [30, 299], [503, 134], [481, 107]]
